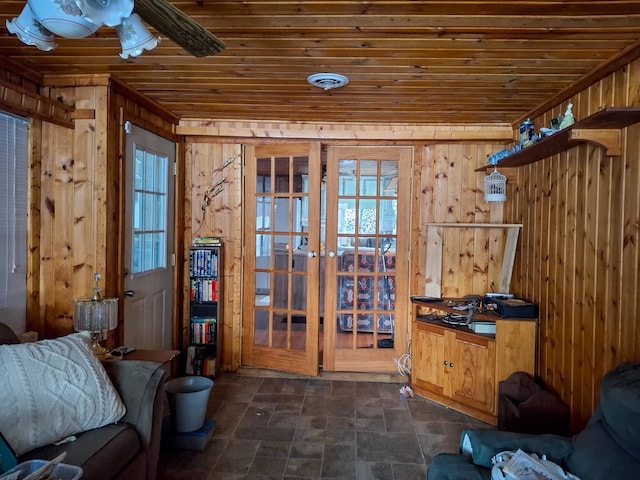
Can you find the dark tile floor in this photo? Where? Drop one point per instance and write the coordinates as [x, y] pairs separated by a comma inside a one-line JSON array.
[[278, 428]]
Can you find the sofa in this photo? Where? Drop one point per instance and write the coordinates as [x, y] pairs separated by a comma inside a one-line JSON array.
[[125, 449], [607, 448]]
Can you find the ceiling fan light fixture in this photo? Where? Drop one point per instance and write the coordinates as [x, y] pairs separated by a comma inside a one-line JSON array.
[[327, 81], [135, 37], [105, 12], [62, 18], [30, 31]]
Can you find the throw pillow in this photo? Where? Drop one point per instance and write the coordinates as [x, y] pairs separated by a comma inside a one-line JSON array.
[[52, 389]]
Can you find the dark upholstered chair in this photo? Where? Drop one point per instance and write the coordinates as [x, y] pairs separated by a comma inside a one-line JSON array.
[[608, 447]]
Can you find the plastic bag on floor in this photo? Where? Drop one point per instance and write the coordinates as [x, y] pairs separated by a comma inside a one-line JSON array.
[[518, 465]]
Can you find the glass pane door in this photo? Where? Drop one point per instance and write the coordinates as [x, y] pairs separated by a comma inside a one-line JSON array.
[[369, 257], [282, 259]]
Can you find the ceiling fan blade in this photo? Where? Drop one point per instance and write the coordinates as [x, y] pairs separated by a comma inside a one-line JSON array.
[[179, 27]]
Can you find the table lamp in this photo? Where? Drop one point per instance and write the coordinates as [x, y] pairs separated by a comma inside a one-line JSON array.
[[96, 315]]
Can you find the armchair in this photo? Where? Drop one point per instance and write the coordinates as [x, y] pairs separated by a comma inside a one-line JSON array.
[[608, 447]]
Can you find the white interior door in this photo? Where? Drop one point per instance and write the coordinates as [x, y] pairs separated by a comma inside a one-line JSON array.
[[149, 239]]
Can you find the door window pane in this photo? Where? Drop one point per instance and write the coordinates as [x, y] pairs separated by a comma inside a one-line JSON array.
[[149, 250], [367, 218], [261, 327]]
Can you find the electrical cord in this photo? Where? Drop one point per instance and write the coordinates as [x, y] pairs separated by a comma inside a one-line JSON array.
[[404, 363]]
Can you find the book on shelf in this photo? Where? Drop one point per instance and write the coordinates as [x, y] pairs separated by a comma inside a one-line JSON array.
[[207, 241], [204, 290], [209, 367], [201, 360], [203, 263], [203, 329]]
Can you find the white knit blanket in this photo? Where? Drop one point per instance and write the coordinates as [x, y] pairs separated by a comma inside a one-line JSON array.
[[52, 389]]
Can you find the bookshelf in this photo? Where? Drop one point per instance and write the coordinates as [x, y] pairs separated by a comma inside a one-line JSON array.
[[205, 312]]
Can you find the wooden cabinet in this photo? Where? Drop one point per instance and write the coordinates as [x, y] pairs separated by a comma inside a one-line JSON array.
[[458, 368], [455, 365]]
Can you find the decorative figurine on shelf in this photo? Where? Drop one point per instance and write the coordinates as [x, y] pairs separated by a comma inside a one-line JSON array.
[[527, 130], [568, 119]]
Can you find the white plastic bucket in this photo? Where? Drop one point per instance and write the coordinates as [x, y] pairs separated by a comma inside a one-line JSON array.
[[188, 398]]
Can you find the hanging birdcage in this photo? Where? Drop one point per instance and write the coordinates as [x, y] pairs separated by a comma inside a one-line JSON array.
[[495, 187]]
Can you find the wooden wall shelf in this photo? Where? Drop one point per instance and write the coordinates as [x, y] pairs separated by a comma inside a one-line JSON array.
[[602, 128]]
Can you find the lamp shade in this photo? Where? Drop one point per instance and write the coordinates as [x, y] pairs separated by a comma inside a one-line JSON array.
[[62, 18], [135, 37], [105, 12], [95, 315], [29, 30]]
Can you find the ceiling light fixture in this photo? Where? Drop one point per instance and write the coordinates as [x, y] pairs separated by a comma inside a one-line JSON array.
[[327, 81], [40, 20]]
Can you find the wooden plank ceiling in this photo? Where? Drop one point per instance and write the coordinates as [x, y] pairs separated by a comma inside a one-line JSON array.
[[408, 62]]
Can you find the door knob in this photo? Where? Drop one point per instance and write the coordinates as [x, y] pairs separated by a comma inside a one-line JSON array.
[[312, 254], [129, 293], [331, 253]]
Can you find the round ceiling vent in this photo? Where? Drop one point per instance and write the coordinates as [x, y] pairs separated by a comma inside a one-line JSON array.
[[327, 81]]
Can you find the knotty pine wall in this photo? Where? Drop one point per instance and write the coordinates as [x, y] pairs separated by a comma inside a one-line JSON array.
[[449, 190], [446, 189], [579, 256], [75, 197], [210, 215]]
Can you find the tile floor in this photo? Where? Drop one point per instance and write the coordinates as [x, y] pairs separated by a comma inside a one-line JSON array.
[[279, 428]]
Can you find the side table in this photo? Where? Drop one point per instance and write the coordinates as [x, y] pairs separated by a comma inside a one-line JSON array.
[[164, 357]]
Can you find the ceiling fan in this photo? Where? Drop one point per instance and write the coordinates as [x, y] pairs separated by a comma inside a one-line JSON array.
[[40, 20], [179, 27]]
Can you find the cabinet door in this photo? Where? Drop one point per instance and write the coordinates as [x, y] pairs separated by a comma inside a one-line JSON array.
[[471, 370], [428, 357]]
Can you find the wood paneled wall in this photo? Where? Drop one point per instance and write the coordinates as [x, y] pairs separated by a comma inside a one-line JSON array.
[[579, 255], [452, 192], [449, 190], [211, 168], [76, 199]]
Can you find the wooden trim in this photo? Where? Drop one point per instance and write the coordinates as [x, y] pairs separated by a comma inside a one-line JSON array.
[[35, 319], [22, 70], [473, 225], [83, 114], [485, 132], [617, 62], [608, 139], [26, 103], [116, 86]]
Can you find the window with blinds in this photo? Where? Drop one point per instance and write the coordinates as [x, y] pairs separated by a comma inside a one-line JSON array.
[[14, 186]]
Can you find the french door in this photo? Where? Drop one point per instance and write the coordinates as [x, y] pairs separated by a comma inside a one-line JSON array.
[[326, 257], [282, 258], [367, 242]]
